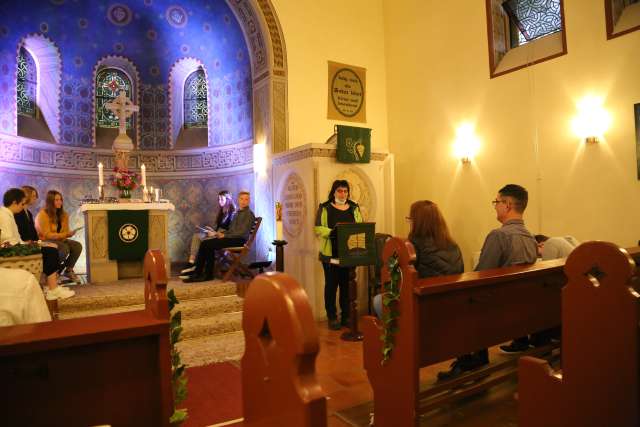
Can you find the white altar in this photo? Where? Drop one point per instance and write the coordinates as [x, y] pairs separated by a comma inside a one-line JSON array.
[[102, 269], [303, 178]]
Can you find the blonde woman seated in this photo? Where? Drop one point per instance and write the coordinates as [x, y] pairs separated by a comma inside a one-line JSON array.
[[437, 254], [52, 223], [223, 221]]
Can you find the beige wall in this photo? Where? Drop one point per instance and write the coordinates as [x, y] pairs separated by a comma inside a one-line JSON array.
[[315, 32], [438, 76]]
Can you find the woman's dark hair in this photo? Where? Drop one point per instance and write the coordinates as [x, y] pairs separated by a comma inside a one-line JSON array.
[[427, 222], [228, 209], [338, 183], [55, 215]]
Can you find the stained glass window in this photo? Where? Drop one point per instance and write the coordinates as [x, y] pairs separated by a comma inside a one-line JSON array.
[[531, 19], [109, 83], [27, 83], [195, 100]]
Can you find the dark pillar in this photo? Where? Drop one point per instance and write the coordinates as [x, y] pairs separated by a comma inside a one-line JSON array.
[[353, 334]]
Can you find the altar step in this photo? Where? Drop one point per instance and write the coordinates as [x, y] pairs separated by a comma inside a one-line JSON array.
[[211, 314]]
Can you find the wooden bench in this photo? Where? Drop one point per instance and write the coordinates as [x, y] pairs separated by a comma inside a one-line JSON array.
[[112, 369], [279, 385], [599, 382], [444, 317], [235, 255]]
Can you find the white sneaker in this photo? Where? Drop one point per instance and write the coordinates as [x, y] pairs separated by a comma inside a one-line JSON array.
[[188, 270], [59, 292]]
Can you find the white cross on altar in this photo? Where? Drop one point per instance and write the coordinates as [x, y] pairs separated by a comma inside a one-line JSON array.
[[122, 107]]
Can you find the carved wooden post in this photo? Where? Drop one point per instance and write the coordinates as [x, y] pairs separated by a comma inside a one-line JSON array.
[[279, 386], [395, 384], [600, 327]]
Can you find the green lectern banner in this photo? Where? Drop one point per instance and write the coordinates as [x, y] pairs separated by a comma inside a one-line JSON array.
[[354, 144], [128, 234]]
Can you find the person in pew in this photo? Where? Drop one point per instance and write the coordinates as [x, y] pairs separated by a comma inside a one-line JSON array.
[[237, 234], [555, 247], [437, 254], [14, 201], [511, 244], [222, 222], [52, 223], [337, 209], [21, 300]]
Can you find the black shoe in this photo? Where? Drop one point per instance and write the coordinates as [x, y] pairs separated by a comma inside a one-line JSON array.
[[458, 368], [344, 321], [334, 325], [514, 348], [198, 278]]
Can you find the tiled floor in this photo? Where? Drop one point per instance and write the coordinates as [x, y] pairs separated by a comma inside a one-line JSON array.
[[340, 372]]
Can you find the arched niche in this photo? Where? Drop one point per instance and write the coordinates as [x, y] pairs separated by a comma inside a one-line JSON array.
[[103, 137], [49, 71], [177, 77], [265, 40]]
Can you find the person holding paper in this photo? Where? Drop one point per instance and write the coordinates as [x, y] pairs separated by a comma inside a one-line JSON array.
[[222, 222], [14, 202], [337, 209], [52, 223]]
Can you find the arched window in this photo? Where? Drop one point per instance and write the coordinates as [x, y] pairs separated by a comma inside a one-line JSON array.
[[195, 100], [27, 84], [109, 83]]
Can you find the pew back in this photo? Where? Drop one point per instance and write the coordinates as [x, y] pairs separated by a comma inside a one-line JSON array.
[[112, 369]]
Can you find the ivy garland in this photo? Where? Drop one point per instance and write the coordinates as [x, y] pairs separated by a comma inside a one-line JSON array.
[[390, 299], [178, 378], [20, 250]]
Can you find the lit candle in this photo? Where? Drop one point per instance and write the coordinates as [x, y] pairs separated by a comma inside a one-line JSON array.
[[100, 174], [279, 230], [144, 175]]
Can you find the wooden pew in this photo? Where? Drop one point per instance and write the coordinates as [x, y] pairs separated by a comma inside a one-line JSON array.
[[112, 369], [279, 386], [599, 382]]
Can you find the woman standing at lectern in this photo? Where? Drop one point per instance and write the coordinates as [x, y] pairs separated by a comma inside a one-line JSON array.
[[337, 209]]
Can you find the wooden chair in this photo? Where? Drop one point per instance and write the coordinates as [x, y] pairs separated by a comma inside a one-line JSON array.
[[233, 256]]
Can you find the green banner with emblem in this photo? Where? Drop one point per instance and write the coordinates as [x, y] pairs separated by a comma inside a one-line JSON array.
[[354, 144], [128, 234]]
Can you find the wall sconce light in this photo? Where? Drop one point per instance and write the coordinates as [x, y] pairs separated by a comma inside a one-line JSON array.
[[260, 159], [592, 120], [466, 144]]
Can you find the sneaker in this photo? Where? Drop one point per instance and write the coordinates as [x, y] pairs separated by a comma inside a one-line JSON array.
[[334, 325], [188, 269], [71, 275], [184, 276], [458, 368], [59, 292], [514, 348], [198, 278]]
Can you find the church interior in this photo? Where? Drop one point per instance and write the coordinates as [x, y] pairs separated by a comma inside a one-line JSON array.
[[149, 117]]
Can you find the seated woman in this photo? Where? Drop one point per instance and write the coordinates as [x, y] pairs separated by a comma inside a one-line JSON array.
[[223, 221], [437, 254], [14, 201], [237, 234], [52, 223]]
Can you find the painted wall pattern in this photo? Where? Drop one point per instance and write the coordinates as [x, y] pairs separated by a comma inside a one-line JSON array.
[[195, 201], [153, 34]]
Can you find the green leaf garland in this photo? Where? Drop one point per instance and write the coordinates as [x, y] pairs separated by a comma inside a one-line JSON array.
[[178, 377], [390, 299]]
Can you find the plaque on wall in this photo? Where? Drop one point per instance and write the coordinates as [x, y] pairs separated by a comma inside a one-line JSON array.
[[347, 89], [294, 204]]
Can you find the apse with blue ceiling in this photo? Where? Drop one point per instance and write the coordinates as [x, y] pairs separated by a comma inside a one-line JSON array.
[[155, 38]]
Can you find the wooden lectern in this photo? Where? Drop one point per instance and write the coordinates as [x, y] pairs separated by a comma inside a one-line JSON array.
[[355, 244]]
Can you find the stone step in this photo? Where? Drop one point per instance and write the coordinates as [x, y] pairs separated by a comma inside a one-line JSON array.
[[190, 308], [212, 325], [212, 349], [93, 297]]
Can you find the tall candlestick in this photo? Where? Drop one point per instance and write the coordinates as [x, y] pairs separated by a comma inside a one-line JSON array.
[[144, 175], [100, 174]]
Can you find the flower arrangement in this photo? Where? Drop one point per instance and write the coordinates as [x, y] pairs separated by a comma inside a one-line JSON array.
[[124, 181]]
